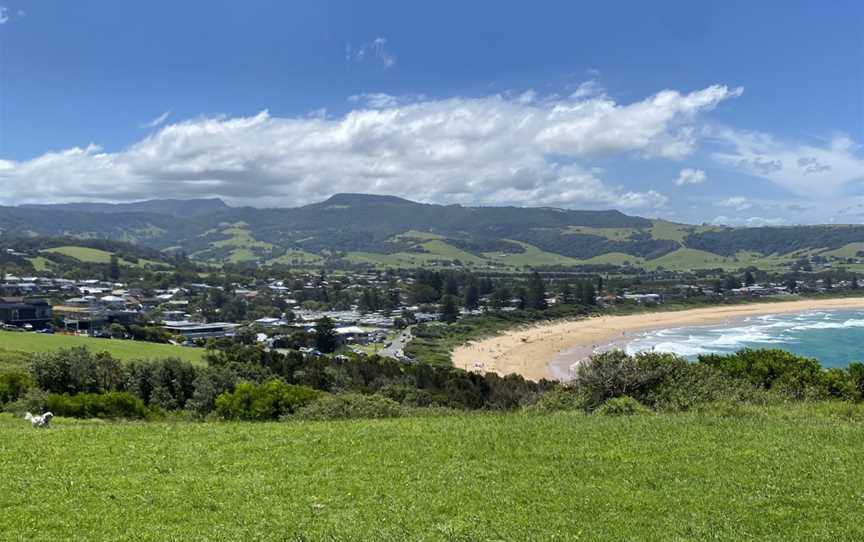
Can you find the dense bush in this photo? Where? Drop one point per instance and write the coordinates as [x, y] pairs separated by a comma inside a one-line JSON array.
[[794, 376], [621, 406], [166, 383], [77, 370], [98, 405], [267, 401], [349, 406], [13, 386], [615, 374], [562, 398]]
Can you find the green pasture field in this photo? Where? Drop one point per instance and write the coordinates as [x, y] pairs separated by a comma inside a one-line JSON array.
[[734, 474], [25, 342]]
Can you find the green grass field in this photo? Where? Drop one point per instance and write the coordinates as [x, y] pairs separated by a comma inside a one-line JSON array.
[[757, 475], [93, 255], [18, 342]]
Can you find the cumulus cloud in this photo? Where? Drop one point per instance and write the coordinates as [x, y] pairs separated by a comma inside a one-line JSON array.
[[815, 171], [376, 50], [488, 150], [739, 203], [158, 121], [750, 222], [4, 15], [690, 176]]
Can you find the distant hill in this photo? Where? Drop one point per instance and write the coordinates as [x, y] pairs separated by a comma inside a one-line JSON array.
[[387, 231], [173, 207]]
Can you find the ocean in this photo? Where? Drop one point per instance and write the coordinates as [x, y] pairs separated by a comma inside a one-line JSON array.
[[834, 337]]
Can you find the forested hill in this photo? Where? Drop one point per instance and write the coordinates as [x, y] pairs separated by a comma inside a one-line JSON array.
[[385, 231]]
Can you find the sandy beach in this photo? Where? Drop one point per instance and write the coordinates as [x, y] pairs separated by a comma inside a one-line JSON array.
[[530, 351]]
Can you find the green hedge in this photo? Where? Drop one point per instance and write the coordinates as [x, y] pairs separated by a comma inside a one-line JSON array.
[[267, 401], [113, 404]]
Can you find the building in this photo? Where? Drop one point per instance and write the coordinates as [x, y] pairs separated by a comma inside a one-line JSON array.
[[195, 330], [21, 312], [81, 314]]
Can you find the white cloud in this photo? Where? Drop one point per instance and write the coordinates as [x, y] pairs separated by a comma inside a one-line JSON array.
[[815, 171], [739, 203], [375, 50], [587, 89], [4, 15], [750, 222], [488, 150], [690, 176], [158, 121]]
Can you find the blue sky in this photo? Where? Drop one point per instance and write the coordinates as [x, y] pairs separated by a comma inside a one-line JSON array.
[[740, 113]]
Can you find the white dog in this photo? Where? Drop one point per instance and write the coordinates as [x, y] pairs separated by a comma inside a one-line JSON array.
[[39, 421]]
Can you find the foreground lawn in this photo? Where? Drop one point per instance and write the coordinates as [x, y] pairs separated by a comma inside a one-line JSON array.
[[12, 341], [480, 477]]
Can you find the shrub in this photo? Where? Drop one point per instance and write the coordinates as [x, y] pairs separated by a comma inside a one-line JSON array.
[[77, 370], [33, 400], [115, 404], [13, 386], [267, 401], [345, 406], [695, 384], [210, 383], [615, 374], [563, 398], [165, 383], [796, 376], [622, 406]]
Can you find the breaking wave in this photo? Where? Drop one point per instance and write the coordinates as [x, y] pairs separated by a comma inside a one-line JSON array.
[[834, 337]]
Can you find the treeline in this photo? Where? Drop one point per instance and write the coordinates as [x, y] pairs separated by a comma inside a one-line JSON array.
[[774, 240], [666, 382], [77, 382]]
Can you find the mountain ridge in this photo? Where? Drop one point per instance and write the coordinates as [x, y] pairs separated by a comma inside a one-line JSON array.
[[383, 230]]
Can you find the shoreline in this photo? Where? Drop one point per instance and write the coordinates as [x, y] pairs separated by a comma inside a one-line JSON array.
[[536, 352]]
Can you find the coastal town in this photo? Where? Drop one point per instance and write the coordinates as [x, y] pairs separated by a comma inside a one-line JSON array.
[[367, 310]]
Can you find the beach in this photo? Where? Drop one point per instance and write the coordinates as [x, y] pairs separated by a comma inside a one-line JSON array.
[[532, 351]]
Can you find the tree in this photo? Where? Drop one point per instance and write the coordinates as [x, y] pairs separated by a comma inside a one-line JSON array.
[[472, 296], [854, 283], [731, 283], [114, 271], [449, 311], [792, 285], [586, 294], [522, 298], [566, 294], [749, 280], [451, 285], [325, 335], [536, 292], [117, 331], [500, 298]]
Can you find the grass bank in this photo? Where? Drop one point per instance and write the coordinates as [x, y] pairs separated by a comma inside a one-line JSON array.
[[768, 474]]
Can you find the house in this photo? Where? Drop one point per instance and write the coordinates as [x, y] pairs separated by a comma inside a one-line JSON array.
[[644, 298], [20, 312], [194, 330], [82, 314]]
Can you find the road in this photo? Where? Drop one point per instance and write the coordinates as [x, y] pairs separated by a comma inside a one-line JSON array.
[[396, 349]]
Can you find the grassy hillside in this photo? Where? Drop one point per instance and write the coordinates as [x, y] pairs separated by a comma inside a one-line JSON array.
[[742, 475], [11, 341], [386, 231], [93, 255]]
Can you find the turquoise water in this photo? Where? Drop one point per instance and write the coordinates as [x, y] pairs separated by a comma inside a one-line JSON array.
[[834, 337]]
